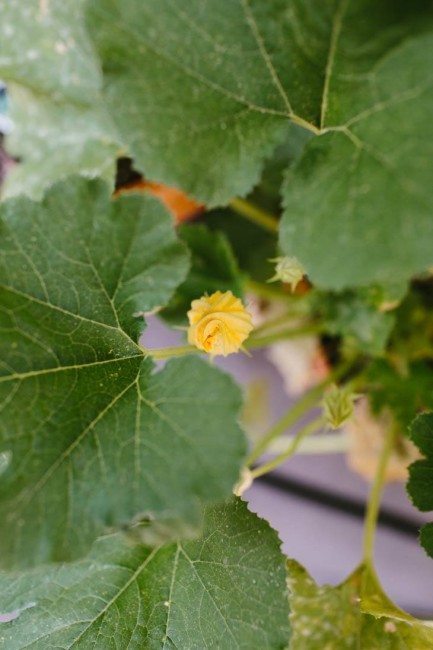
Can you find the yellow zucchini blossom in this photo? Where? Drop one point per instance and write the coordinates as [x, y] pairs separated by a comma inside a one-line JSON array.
[[218, 324]]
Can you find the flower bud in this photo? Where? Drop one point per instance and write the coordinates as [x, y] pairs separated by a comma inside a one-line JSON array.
[[288, 270], [219, 323], [338, 405]]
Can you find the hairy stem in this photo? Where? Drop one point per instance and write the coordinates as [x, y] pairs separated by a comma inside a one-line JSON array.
[[167, 353], [290, 333], [305, 431], [291, 416], [252, 343], [373, 504], [268, 291], [275, 323], [255, 214], [332, 443]]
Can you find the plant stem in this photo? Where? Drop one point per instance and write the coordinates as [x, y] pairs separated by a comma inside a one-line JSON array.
[[373, 505], [251, 343], [305, 431], [331, 443], [255, 214], [273, 323], [291, 416], [167, 353], [268, 291], [291, 333]]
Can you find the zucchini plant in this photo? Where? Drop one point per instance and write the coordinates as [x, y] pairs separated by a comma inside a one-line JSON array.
[[293, 139]]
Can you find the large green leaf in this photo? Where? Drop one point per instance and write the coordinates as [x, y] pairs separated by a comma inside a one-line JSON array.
[[201, 92], [53, 80], [420, 483], [55, 139], [354, 615], [190, 91], [95, 439], [225, 590], [358, 204]]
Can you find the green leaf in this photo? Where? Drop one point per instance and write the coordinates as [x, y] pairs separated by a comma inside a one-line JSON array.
[[412, 337], [61, 126], [405, 392], [355, 316], [358, 204], [226, 589], [420, 483], [355, 614], [252, 246], [95, 439], [54, 140], [190, 91], [202, 96], [267, 193], [213, 267]]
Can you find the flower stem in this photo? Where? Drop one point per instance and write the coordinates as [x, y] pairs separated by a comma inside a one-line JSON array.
[[251, 343], [255, 214], [305, 431], [373, 505], [268, 291], [167, 353]]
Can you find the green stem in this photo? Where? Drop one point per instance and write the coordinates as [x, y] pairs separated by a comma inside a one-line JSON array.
[[273, 323], [373, 505], [268, 291], [291, 333], [252, 343], [288, 420], [331, 443], [255, 214], [305, 431], [167, 353]]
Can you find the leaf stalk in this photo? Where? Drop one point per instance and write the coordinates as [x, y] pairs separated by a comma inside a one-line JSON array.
[[373, 505], [305, 431], [255, 214]]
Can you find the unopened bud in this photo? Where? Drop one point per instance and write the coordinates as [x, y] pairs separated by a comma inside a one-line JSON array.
[[338, 405], [288, 270]]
